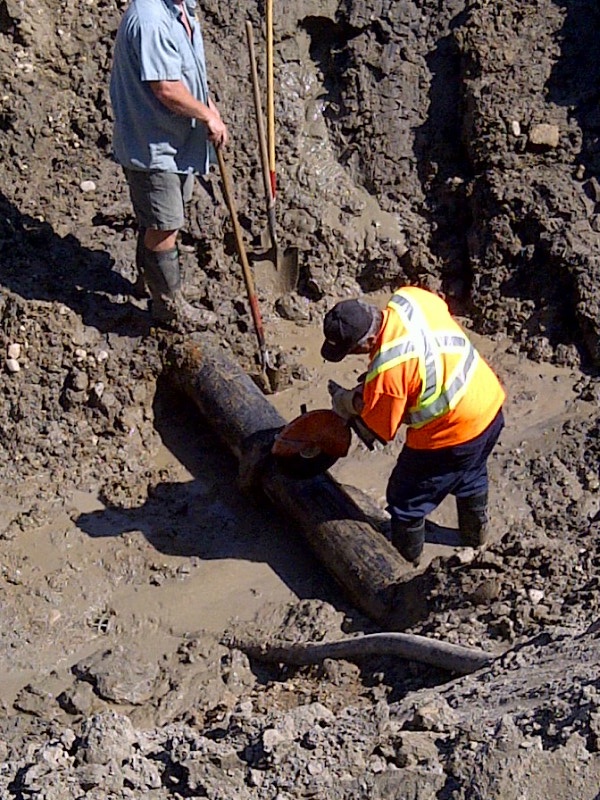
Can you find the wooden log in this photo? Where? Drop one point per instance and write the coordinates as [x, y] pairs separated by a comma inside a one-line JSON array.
[[412, 647], [363, 562]]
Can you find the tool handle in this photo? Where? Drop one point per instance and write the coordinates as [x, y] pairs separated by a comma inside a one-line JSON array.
[[270, 95], [262, 138], [364, 433], [239, 241]]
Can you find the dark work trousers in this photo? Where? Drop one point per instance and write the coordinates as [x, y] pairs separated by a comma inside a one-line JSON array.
[[421, 479]]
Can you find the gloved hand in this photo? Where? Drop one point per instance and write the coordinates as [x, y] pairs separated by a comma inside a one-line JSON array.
[[366, 435], [342, 400]]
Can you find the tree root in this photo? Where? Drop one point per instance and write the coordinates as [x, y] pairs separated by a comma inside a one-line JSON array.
[[451, 657]]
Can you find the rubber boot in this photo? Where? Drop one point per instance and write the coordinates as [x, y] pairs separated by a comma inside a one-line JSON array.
[[169, 307], [139, 285], [408, 539], [473, 519]]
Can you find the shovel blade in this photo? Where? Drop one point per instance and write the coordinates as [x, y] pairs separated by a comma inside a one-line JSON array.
[[275, 271]]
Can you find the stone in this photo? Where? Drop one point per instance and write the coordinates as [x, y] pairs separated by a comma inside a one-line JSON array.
[[544, 135], [106, 738]]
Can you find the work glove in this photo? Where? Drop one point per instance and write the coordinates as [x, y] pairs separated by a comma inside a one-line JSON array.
[[342, 400], [365, 434]]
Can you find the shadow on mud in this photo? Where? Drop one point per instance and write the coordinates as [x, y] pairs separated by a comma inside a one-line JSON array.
[[575, 79], [208, 516], [38, 264], [443, 165]]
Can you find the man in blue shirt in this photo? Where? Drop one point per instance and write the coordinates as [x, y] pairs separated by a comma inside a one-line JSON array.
[[165, 124]]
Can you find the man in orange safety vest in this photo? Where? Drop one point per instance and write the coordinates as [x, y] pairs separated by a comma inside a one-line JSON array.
[[425, 373]]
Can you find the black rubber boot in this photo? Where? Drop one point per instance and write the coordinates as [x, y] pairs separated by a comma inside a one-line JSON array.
[[473, 519], [408, 539], [169, 307], [139, 285]]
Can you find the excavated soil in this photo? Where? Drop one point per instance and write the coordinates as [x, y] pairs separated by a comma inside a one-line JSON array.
[[455, 145]]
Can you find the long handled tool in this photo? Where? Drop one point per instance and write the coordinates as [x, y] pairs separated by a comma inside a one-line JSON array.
[[270, 96], [283, 272], [262, 139], [269, 370]]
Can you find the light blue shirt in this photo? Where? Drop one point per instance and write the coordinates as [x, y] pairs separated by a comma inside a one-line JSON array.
[[152, 45]]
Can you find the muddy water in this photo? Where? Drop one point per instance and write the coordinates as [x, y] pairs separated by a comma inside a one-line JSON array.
[[196, 553]]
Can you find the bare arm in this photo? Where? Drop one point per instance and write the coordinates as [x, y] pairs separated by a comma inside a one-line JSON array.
[[176, 97], [213, 107]]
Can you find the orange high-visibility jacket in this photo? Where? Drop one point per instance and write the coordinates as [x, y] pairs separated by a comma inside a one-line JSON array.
[[425, 372]]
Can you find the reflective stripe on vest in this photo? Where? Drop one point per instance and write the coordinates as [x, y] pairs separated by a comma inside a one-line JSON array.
[[436, 398]]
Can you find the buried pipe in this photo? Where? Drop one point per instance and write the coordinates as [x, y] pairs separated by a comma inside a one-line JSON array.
[[366, 566]]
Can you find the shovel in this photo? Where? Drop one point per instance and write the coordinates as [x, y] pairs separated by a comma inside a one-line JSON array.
[[270, 372], [280, 272], [270, 95]]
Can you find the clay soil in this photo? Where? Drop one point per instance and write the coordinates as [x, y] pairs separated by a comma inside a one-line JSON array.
[[453, 145]]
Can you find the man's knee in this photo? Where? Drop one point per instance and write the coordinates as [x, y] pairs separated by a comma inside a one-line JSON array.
[[160, 240]]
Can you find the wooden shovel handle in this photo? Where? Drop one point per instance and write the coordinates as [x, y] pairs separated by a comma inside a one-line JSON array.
[[262, 138], [239, 241], [270, 95]]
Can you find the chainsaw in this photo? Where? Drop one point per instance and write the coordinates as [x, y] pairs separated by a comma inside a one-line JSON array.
[[312, 442]]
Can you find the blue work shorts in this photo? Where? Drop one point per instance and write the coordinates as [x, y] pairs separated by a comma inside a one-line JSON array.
[[159, 198], [421, 479]]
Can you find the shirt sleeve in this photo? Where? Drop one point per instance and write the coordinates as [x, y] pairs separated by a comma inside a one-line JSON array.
[[160, 59], [382, 413]]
